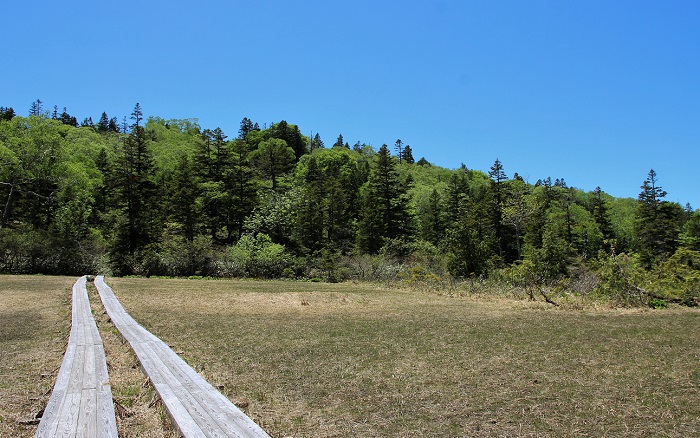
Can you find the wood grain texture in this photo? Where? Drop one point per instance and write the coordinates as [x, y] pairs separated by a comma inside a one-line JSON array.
[[81, 402], [194, 405]]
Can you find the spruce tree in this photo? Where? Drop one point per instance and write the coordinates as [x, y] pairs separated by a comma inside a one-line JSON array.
[[599, 210], [103, 124], [398, 147], [137, 196], [241, 188], [36, 108], [648, 225], [386, 213], [407, 155], [339, 143], [498, 177]]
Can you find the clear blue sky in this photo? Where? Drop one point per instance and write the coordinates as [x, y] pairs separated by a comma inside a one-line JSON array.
[[596, 92]]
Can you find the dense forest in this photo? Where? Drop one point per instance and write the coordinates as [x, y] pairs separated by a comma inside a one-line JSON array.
[[162, 197]]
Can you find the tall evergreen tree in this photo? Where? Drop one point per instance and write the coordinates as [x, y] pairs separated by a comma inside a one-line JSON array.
[[103, 124], [432, 219], [241, 189], [7, 113], [599, 210], [113, 125], [498, 177], [316, 142], [184, 194], [650, 237], [398, 147], [407, 155], [386, 212], [137, 196], [246, 127], [36, 108], [273, 158], [67, 119], [339, 143]]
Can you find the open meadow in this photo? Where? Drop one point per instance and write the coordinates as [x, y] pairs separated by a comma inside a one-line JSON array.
[[312, 359], [35, 317]]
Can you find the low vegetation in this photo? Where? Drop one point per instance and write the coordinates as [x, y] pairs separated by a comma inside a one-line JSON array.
[[314, 359], [35, 316]]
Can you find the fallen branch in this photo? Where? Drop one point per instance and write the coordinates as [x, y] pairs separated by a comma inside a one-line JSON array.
[[546, 298]]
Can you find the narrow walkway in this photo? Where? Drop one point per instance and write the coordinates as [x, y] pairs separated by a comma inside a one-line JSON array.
[[81, 402], [195, 407]]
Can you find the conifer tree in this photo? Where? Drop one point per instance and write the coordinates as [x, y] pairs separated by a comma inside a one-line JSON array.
[[7, 113], [386, 213], [498, 176], [432, 219], [183, 199], [398, 147], [407, 155], [246, 127], [650, 236], [36, 108], [339, 143], [241, 189], [103, 124], [599, 210], [136, 194]]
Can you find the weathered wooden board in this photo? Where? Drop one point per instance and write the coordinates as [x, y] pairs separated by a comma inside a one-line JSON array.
[[195, 406], [81, 401]]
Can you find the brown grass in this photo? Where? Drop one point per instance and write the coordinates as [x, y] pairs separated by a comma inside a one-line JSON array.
[[138, 409], [356, 360], [34, 330], [315, 360]]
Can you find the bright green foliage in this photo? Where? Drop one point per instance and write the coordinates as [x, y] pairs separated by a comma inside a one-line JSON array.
[[166, 197], [254, 257], [291, 136], [169, 140], [618, 278], [275, 216], [679, 278], [690, 238]]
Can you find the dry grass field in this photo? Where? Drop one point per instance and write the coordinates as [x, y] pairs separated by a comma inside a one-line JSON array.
[[35, 317], [309, 359]]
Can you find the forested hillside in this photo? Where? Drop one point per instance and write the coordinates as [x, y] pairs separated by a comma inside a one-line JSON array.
[[170, 198]]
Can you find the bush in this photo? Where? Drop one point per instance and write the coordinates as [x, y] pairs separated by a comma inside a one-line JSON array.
[[254, 256], [618, 275], [678, 279]]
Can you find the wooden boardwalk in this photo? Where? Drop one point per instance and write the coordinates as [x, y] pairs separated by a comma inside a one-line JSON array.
[[195, 407], [81, 402]]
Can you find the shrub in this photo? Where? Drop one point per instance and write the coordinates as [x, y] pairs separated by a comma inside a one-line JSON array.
[[254, 256]]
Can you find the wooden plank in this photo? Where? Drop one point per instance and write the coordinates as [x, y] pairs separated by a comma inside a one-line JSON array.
[[194, 405], [81, 402]]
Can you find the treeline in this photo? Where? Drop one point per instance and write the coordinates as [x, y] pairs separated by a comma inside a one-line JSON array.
[[168, 198]]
